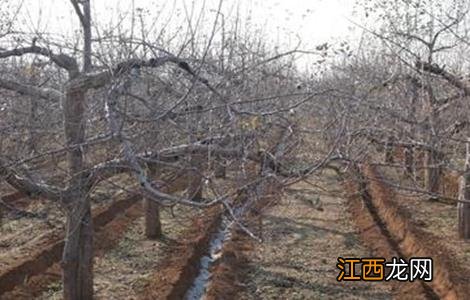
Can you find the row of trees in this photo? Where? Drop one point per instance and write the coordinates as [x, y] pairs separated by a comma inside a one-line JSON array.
[[127, 103], [406, 95], [123, 103]]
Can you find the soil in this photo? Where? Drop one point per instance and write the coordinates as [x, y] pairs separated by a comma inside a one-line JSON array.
[[303, 236], [436, 224], [127, 270], [28, 269], [413, 242], [304, 231], [175, 273]]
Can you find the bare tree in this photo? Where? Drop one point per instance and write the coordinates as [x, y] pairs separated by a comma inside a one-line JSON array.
[[122, 106]]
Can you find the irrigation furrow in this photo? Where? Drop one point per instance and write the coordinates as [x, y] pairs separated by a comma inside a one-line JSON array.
[[43, 256], [385, 229]]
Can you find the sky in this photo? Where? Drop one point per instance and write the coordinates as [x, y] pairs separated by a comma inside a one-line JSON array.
[[285, 21]]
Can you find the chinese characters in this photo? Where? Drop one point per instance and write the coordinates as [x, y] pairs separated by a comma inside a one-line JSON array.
[[377, 269]]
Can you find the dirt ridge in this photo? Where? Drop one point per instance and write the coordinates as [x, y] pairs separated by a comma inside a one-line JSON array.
[[41, 259], [402, 237], [177, 271], [229, 270], [376, 236]]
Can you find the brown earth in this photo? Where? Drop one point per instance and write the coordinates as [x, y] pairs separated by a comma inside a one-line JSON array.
[[39, 255], [410, 241], [374, 232], [436, 223], [304, 234], [177, 270], [303, 237], [230, 268]]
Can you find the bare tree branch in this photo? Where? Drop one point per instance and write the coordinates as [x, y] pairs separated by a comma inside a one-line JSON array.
[[62, 60], [30, 90], [437, 70]]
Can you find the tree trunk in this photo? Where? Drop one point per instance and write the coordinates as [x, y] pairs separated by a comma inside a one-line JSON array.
[[432, 172], [33, 119], [195, 178], [409, 161], [463, 207], [86, 24], [195, 186], [389, 150], [432, 163], [220, 170], [153, 225], [77, 258], [196, 161]]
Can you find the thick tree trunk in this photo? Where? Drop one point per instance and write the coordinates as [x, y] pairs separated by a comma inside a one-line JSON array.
[[463, 207], [74, 123], [196, 163], [77, 258]]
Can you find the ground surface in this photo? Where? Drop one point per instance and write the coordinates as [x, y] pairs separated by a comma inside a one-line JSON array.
[[303, 240], [437, 220], [124, 271], [314, 222]]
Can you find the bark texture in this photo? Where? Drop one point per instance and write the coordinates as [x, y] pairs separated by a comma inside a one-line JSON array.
[[463, 207]]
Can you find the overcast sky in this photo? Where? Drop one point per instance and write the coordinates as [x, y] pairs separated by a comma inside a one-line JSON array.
[[314, 21]]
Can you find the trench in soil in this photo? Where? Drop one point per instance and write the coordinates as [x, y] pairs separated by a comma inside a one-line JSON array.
[[30, 277], [220, 269], [383, 224], [200, 283], [42, 257], [176, 271], [192, 269], [32, 268], [383, 227], [375, 234]]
